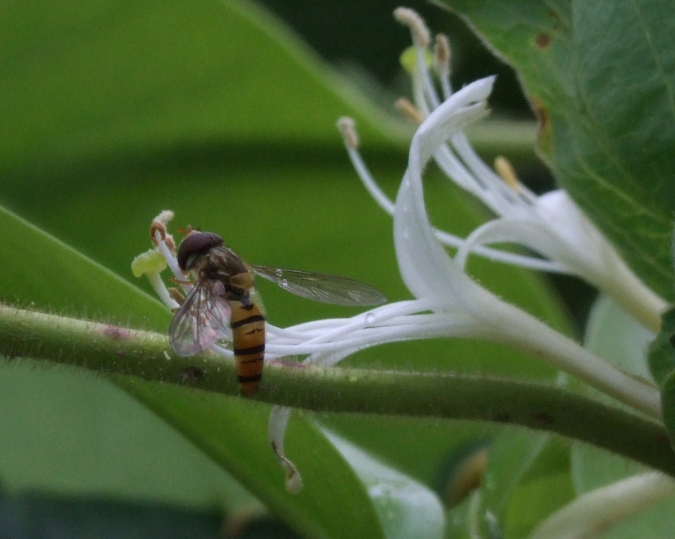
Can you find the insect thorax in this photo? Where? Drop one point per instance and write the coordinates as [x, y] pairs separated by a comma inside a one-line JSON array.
[[225, 267]]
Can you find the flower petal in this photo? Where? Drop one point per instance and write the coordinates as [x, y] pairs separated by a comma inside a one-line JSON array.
[[424, 265]]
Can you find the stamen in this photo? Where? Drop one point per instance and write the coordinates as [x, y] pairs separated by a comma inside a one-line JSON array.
[[410, 18], [442, 64], [162, 291], [159, 225], [409, 110], [156, 229], [276, 432], [347, 127], [442, 55], [506, 172]]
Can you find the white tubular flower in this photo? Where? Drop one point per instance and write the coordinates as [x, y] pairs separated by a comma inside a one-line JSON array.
[[551, 225], [593, 514], [429, 273]]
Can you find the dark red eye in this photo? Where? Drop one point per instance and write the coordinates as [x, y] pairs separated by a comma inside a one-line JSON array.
[[196, 243]]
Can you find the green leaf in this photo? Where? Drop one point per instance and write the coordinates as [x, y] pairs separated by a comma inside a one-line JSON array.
[[86, 79], [661, 353], [526, 480], [614, 335], [406, 507], [601, 77], [668, 405]]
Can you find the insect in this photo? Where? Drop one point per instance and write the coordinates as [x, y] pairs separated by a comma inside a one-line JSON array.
[[221, 300]]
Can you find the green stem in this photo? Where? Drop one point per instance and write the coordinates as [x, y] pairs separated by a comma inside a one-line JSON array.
[[114, 350]]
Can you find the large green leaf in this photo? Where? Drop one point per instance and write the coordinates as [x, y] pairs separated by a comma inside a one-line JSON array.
[[601, 77], [85, 79]]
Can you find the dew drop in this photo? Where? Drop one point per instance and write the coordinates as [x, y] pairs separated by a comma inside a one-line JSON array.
[[283, 283], [278, 272], [371, 319]]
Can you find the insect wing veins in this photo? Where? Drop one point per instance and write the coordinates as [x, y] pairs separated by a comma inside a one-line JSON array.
[[201, 320], [322, 287]]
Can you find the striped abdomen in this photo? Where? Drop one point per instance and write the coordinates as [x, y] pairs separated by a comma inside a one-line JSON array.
[[248, 336]]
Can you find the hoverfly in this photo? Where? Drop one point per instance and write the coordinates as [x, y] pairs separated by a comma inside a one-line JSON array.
[[221, 299]]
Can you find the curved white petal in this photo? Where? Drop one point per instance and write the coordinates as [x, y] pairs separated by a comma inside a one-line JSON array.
[[425, 267], [521, 231]]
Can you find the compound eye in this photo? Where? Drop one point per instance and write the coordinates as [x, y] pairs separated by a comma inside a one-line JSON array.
[[196, 243]]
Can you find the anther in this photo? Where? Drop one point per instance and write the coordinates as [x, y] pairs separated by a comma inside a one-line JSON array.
[[170, 243], [505, 170], [347, 127], [159, 225], [442, 55], [410, 18], [155, 229], [409, 110]]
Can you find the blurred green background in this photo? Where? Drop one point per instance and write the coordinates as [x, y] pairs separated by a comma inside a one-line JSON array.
[[111, 112]]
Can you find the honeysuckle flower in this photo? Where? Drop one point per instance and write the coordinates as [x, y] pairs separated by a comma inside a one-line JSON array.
[[551, 224], [431, 274], [447, 302]]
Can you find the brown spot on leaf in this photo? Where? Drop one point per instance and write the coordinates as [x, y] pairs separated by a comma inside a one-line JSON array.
[[541, 112], [544, 131], [543, 40]]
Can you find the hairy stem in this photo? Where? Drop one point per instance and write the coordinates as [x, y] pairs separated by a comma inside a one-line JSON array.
[[114, 350]]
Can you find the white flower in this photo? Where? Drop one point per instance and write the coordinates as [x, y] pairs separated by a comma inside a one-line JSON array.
[[448, 303], [551, 225]]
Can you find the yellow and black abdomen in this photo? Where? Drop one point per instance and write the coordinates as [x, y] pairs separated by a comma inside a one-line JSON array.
[[248, 339]]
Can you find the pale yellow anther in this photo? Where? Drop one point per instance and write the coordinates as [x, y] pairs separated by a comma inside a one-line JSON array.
[[410, 18], [505, 170], [347, 127], [409, 110], [442, 55]]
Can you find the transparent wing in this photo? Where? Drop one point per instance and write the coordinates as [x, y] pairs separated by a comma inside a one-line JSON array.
[[202, 319], [322, 287]]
